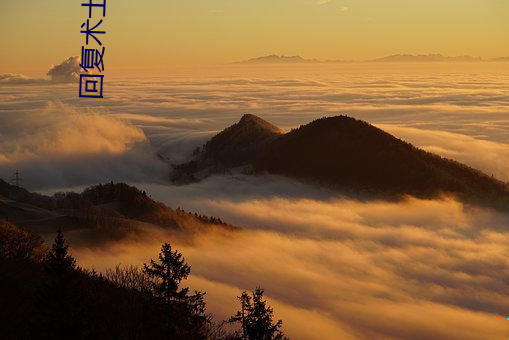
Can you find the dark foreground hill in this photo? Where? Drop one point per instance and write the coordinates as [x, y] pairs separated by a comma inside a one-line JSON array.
[[348, 154], [45, 294], [44, 298]]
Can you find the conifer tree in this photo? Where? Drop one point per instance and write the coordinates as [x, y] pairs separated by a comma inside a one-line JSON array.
[[255, 318], [185, 316], [61, 300], [58, 260]]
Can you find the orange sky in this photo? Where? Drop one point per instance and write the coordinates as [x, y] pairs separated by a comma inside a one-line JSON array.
[[166, 34]]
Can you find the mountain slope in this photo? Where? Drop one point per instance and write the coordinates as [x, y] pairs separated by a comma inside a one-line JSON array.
[[240, 142], [237, 145], [352, 153], [357, 157], [116, 208]]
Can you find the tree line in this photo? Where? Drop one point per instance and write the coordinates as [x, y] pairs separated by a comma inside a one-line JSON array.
[[48, 296]]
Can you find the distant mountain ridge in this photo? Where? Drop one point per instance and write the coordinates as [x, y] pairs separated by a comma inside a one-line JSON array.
[[345, 153], [277, 59], [426, 58], [396, 58]]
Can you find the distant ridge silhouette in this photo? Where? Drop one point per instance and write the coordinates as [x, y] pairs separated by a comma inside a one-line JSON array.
[[426, 58], [395, 58], [277, 59]]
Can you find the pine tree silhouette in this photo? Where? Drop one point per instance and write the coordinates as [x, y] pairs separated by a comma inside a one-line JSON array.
[[61, 300], [255, 318], [58, 261], [185, 318]]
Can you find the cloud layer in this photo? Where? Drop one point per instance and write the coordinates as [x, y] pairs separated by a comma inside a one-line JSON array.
[[339, 268], [420, 269], [485, 155], [67, 147], [419, 103]]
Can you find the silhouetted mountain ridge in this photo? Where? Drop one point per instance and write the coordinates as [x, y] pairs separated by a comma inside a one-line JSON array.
[[233, 147], [279, 59], [356, 157], [396, 58], [426, 58]]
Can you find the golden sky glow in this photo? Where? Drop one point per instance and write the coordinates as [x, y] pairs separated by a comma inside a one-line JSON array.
[[162, 33]]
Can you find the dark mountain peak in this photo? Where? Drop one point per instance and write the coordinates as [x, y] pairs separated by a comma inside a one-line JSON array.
[[346, 153], [248, 117], [250, 121], [329, 134], [341, 122], [240, 143], [355, 155]]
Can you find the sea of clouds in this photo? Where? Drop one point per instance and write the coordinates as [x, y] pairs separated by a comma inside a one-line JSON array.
[[458, 111], [331, 266], [337, 268]]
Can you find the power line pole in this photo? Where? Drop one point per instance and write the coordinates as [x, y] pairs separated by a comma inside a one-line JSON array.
[[17, 178]]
